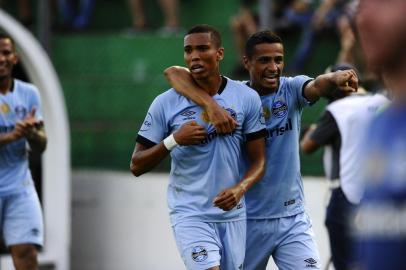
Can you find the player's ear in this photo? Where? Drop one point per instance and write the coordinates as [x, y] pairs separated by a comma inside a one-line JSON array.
[[220, 54], [245, 62], [15, 58]]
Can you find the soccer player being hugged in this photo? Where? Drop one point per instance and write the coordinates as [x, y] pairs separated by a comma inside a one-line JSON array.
[[206, 184]]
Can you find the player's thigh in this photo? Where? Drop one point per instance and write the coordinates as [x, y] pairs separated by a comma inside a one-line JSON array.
[[209, 245], [232, 236], [198, 244], [22, 219], [298, 249], [260, 243]]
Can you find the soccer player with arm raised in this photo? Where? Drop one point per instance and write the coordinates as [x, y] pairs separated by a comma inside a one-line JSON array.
[[277, 224]]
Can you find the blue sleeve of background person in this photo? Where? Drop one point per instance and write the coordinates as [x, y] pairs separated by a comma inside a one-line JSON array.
[[297, 85], [155, 127], [255, 118]]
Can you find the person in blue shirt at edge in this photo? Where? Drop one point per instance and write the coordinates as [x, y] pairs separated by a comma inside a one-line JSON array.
[[277, 224], [21, 129], [206, 184], [380, 224]]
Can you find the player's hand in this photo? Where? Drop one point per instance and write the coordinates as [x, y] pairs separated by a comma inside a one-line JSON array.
[[221, 119], [229, 198], [346, 80], [190, 133], [27, 127], [17, 133]]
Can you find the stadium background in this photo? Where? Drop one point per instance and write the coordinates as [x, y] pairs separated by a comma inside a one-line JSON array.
[[109, 77]]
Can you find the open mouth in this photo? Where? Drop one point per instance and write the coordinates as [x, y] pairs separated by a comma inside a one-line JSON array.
[[196, 68], [271, 78]]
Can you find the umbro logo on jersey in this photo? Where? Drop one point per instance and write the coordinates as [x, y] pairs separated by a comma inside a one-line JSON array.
[[188, 114], [311, 263]]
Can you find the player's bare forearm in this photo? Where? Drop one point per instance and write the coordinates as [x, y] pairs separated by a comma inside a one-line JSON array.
[[181, 80], [229, 198], [145, 159], [7, 138], [307, 145], [255, 150], [324, 84]]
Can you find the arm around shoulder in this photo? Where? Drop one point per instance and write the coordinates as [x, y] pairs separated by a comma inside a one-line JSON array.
[[182, 81]]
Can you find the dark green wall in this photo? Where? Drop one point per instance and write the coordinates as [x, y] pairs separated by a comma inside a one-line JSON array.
[[110, 78]]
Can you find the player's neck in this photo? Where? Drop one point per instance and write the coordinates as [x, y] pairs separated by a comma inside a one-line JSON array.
[[211, 84], [5, 85], [262, 91]]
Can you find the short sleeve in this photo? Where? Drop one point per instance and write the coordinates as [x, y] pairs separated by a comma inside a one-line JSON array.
[[254, 119], [298, 83], [154, 127]]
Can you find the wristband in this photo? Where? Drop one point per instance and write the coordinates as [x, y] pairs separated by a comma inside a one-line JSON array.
[[170, 143]]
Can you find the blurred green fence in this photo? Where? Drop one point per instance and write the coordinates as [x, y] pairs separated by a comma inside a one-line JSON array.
[[110, 78]]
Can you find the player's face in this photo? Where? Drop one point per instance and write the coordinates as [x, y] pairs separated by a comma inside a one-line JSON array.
[[381, 28], [202, 56], [265, 67], [8, 58]]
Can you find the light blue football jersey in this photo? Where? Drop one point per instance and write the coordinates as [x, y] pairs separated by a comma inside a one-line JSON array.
[[280, 192], [200, 172], [14, 106]]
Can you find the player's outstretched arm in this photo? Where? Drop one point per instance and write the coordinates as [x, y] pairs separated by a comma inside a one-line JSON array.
[[323, 85], [145, 159], [229, 198], [181, 80]]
